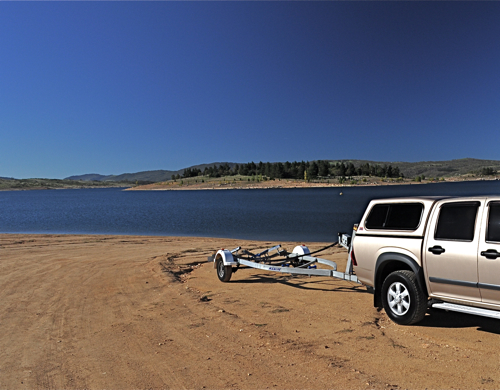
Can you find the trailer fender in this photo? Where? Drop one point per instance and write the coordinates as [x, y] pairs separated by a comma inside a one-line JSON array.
[[227, 257]]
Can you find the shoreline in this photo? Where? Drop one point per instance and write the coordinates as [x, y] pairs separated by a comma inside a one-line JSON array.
[[268, 184], [92, 311], [287, 184], [59, 188]]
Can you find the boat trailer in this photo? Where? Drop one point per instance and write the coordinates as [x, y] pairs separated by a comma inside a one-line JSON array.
[[276, 259]]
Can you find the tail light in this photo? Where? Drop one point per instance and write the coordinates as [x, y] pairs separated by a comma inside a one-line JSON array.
[[353, 257]]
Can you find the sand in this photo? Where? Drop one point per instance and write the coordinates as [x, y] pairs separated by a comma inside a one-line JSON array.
[[121, 312]]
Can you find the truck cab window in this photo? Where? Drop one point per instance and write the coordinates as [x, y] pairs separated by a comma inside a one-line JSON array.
[[457, 221], [493, 231]]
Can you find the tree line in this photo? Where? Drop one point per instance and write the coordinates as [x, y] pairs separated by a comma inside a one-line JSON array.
[[488, 171], [310, 170]]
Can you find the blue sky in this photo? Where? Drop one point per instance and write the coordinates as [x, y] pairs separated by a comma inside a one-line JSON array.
[[115, 87]]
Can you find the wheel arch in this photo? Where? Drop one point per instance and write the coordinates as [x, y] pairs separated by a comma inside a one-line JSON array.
[[392, 261]]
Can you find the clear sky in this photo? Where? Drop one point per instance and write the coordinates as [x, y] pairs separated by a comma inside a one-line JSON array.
[[115, 87]]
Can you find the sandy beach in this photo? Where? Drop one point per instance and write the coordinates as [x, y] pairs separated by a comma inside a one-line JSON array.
[[123, 312]]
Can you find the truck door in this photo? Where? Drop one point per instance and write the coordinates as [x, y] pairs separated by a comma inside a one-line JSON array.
[[450, 250], [489, 254]]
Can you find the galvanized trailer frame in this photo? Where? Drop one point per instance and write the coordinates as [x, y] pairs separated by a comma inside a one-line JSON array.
[[299, 262]]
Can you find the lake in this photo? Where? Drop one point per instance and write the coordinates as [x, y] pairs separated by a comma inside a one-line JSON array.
[[305, 215]]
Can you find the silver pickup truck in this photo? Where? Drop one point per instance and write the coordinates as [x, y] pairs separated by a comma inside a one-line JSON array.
[[415, 253]]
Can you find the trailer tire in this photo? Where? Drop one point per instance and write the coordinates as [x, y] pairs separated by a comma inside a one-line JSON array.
[[224, 272], [404, 301]]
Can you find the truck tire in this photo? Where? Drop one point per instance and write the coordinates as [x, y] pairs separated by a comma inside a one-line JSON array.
[[224, 272], [404, 301]]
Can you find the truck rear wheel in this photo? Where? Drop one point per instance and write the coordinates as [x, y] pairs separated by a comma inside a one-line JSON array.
[[404, 301], [224, 272]]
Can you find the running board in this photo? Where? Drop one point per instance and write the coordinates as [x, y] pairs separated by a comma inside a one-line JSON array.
[[467, 310]]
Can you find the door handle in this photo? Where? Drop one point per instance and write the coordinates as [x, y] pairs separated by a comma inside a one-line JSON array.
[[490, 254], [437, 250]]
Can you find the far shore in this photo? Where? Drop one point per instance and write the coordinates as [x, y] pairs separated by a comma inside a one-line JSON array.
[[230, 183], [60, 188], [233, 184]]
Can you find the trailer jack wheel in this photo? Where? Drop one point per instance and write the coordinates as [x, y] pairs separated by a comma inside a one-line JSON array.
[[224, 272]]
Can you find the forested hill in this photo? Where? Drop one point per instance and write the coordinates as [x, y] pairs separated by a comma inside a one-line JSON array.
[[295, 170], [464, 166], [434, 169]]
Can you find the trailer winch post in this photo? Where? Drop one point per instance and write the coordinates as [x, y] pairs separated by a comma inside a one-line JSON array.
[[345, 240]]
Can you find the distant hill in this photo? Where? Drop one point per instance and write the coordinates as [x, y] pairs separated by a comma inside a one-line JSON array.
[[32, 184], [87, 177], [429, 169], [436, 169], [145, 176]]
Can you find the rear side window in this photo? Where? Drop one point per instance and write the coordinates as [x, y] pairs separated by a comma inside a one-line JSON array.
[[493, 231], [457, 221], [395, 216]]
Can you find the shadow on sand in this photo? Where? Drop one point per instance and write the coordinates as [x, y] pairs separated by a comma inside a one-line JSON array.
[[437, 318], [304, 282]]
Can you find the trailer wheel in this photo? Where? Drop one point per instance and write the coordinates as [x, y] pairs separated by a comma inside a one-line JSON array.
[[404, 301], [224, 272]]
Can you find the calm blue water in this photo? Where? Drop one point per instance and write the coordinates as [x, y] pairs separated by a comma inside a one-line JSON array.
[[315, 214]]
